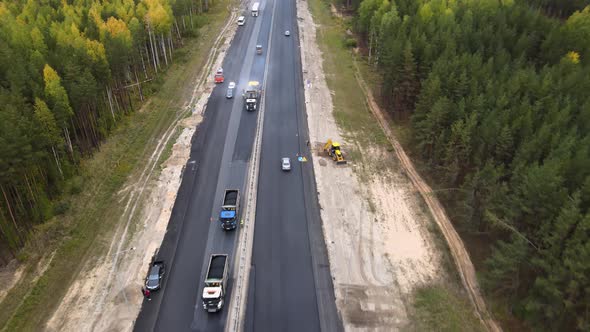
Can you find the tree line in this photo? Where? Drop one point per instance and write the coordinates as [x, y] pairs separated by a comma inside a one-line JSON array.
[[497, 96], [69, 71], [558, 8]]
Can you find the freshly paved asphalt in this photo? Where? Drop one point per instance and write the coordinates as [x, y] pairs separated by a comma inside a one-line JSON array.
[[290, 285], [290, 264]]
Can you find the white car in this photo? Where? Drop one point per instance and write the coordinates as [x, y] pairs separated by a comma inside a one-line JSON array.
[[241, 20], [287, 33], [230, 90], [285, 164]]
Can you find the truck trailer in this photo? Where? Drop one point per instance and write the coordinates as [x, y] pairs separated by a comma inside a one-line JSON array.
[[215, 280], [229, 209], [255, 8]]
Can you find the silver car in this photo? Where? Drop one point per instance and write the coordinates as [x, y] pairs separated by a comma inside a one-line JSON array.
[[153, 281], [286, 164], [230, 90]]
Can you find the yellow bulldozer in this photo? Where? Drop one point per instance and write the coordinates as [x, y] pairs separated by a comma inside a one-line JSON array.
[[333, 150]]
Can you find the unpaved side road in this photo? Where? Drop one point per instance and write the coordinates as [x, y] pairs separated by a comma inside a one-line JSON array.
[[106, 296], [392, 252], [378, 242], [10, 275], [458, 251]]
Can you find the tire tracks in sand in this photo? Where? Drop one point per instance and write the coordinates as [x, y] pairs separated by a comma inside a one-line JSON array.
[[76, 302], [458, 252]]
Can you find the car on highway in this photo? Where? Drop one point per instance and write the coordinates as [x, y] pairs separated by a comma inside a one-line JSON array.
[[153, 281], [241, 20], [286, 164], [258, 49], [230, 90], [219, 76], [287, 33]]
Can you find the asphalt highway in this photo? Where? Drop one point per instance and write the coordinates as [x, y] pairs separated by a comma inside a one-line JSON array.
[[290, 285], [284, 286]]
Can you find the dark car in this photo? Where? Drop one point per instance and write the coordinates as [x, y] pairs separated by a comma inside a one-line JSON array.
[[154, 278]]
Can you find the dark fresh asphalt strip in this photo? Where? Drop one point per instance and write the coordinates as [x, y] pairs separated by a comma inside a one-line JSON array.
[[290, 284], [191, 234]]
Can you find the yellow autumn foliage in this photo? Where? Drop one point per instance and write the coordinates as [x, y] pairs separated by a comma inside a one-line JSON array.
[[50, 76], [573, 57], [117, 29], [3, 9], [76, 39], [159, 15]]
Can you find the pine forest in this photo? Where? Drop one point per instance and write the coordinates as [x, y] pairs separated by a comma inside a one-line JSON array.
[[70, 71], [497, 96]]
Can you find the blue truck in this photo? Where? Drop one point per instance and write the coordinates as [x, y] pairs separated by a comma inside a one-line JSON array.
[[230, 209]]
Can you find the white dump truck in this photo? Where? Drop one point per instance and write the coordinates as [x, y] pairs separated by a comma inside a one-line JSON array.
[[215, 280], [255, 8]]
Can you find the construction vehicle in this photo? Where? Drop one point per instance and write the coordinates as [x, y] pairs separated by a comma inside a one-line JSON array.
[[255, 8], [252, 96], [229, 210], [215, 280], [219, 75], [333, 150]]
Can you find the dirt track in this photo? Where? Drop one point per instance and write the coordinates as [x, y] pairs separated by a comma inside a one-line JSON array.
[[458, 251]]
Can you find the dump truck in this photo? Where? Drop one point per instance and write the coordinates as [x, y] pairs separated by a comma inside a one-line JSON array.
[[215, 280], [219, 75], [255, 8], [229, 209], [252, 96], [333, 150]]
